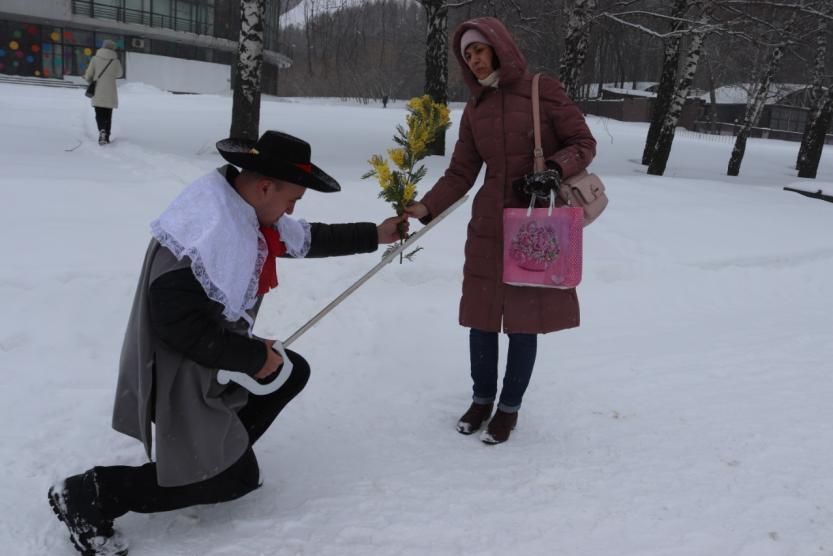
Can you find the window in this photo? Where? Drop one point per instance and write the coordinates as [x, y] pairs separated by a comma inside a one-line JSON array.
[[194, 16]]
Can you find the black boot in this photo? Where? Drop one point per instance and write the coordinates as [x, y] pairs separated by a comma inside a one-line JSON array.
[[500, 427], [102, 137], [74, 502], [474, 417]]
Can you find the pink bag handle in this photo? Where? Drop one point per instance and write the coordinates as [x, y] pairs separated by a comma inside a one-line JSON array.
[[538, 164]]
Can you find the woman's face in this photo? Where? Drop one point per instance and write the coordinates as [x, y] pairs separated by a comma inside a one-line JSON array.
[[480, 59]]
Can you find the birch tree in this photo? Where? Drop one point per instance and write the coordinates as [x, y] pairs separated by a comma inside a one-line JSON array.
[[245, 112], [757, 100], [665, 139], [809, 164], [436, 58], [579, 15], [817, 96], [668, 78]]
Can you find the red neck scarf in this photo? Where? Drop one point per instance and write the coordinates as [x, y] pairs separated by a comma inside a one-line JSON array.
[[269, 272]]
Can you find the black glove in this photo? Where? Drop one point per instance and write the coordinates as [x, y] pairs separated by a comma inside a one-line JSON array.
[[539, 184]]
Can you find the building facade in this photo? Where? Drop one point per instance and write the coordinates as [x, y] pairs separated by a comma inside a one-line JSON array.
[[177, 45]]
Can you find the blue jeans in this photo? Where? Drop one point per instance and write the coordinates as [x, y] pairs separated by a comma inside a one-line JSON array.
[[519, 364]]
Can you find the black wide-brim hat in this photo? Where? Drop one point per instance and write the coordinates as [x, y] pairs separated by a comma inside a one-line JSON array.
[[278, 155]]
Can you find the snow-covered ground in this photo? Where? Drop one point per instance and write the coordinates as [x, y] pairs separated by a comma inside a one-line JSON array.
[[689, 415]]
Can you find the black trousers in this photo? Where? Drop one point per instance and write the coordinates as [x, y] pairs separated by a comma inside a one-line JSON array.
[[123, 489], [104, 119]]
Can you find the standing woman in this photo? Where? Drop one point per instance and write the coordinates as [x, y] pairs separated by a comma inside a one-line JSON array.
[[106, 96], [497, 128]]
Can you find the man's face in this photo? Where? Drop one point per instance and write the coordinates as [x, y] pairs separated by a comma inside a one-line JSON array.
[[276, 198], [480, 59]]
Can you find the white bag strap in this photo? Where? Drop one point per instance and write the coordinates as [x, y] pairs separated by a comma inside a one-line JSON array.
[[532, 204]]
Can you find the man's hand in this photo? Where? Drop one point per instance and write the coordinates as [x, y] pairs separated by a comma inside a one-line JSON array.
[[416, 210], [273, 361], [393, 229]]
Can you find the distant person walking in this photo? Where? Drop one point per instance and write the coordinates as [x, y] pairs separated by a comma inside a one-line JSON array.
[[104, 68]]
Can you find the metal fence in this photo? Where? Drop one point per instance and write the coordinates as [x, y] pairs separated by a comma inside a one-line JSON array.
[[128, 15]]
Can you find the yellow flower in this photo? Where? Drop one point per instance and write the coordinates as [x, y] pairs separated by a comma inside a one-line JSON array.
[[398, 157], [409, 194], [383, 173], [444, 118], [418, 138]]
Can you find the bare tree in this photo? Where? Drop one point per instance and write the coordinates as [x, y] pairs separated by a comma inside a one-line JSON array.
[[662, 149], [817, 97], [245, 112], [667, 80], [579, 15], [809, 164], [436, 60], [436, 57], [755, 103]]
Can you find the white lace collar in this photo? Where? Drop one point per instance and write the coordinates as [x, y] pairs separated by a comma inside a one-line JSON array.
[[218, 231], [211, 224]]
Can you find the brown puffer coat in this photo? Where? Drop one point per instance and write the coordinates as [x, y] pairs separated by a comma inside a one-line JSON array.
[[496, 128]]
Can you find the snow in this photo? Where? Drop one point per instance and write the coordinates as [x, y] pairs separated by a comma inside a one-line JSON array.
[[689, 415]]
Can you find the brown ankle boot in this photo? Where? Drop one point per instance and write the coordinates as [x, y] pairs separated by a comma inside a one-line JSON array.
[[474, 417], [501, 425]]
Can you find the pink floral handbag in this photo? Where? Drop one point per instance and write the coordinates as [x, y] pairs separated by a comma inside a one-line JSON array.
[[542, 246]]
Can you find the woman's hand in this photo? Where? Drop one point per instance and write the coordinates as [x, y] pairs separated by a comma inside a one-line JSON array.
[[393, 229], [416, 210], [273, 361]]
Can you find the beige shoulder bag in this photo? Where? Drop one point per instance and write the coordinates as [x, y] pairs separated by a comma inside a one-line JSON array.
[[583, 190]]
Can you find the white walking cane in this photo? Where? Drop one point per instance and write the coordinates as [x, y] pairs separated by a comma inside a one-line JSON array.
[[255, 387]]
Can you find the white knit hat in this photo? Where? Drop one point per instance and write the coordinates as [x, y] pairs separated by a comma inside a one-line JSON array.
[[470, 36]]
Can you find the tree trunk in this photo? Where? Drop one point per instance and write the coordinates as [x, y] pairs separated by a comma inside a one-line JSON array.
[[817, 90], [662, 150], [712, 109], [754, 108], [436, 61], [667, 81], [601, 64], [809, 164], [579, 16], [245, 112]]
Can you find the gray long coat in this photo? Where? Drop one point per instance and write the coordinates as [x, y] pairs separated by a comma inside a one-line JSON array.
[[198, 433], [496, 129]]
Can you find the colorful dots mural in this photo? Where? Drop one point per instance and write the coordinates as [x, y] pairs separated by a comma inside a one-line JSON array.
[[20, 52], [47, 51]]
